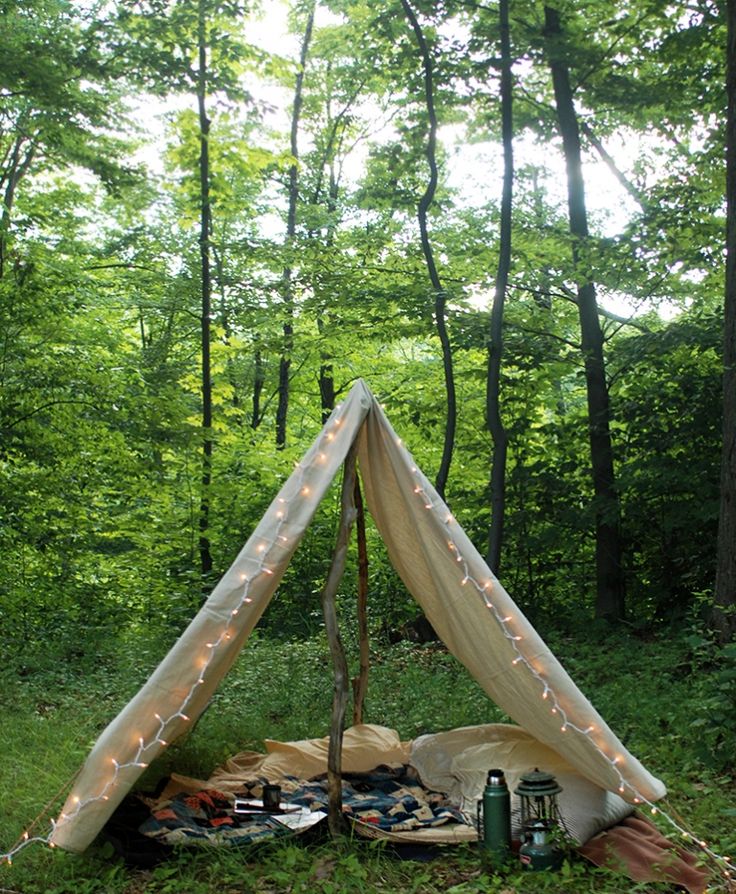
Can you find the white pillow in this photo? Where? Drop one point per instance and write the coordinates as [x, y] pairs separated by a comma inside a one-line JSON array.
[[457, 762]]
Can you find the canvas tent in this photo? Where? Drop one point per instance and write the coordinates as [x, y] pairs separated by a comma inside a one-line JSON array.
[[471, 612]]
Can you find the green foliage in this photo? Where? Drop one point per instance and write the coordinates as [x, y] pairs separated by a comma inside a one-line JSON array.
[[714, 705]]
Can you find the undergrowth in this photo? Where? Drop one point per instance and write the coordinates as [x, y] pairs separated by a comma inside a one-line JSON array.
[[664, 696]]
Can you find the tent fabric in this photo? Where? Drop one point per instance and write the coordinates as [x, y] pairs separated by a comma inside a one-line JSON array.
[[438, 565]]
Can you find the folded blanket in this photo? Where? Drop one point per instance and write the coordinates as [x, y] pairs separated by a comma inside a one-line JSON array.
[[206, 817], [637, 849]]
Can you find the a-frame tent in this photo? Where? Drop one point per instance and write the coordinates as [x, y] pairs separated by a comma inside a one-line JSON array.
[[469, 609]]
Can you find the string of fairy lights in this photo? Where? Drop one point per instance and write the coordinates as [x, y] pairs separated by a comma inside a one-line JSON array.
[[431, 500], [265, 548]]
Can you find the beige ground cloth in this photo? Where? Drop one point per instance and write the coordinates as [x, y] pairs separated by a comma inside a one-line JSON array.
[[364, 747]]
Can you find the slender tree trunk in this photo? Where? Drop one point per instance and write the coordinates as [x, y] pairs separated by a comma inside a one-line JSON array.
[[21, 158], [326, 370], [724, 615], [205, 555], [613, 167], [440, 296], [259, 380], [609, 571], [495, 352], [287, 285]]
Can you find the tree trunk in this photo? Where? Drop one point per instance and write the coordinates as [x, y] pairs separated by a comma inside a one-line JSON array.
[[439, 292], [724, 614], [340, 667], [609, 571], [495, 348], [326, 369], [287, 286], [205, 555], [259, 380], [21, 158]]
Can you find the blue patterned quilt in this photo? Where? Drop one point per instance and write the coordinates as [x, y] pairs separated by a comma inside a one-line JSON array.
[[388, 799]]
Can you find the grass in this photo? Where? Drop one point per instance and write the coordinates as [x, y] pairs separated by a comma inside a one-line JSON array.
[[656, 693]]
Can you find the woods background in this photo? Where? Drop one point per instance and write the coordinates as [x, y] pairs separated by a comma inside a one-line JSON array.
[[211, 226]]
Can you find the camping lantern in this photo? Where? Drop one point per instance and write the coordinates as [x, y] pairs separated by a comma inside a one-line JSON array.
[[540, 819]]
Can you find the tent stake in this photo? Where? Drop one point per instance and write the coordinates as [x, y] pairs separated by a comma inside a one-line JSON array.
[[348, 514], [360, 683]]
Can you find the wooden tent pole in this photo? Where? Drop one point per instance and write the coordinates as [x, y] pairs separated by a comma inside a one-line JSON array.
[[360, 683], [348, 514]]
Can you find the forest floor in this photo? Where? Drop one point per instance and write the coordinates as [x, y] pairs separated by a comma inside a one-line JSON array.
[[670, 698]]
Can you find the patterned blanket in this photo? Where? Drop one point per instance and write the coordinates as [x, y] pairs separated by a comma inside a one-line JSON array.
[[388, 799]]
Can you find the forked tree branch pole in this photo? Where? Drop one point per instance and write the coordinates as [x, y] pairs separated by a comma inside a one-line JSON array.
[[348, 514], [360, 683]]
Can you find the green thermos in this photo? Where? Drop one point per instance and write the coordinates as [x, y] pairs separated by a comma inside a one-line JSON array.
[[494, 827]]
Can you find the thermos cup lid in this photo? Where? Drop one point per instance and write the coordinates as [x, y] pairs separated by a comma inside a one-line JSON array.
[[496, 777]]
